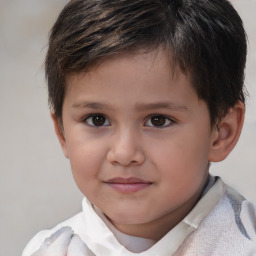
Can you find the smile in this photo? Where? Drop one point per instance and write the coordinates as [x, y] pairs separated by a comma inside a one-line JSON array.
[[130, 185]]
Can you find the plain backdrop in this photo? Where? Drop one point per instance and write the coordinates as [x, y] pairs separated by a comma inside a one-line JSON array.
[[36, 186]]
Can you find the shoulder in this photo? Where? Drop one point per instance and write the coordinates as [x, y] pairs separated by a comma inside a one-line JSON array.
[[244, 213], [233, 222], [229, 229], [35, 243]]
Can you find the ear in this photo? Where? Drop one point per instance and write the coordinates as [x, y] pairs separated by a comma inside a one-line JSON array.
[[226, 135], [60, 134]]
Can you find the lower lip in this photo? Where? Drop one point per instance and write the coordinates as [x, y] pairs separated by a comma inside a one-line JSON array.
[[129, 187]]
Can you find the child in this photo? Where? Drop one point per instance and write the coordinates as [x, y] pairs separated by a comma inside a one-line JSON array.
[[144, 95]]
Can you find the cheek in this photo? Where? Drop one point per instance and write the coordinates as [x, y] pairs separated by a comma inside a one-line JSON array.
[[182, 158], [85, 150], [182, 172], [86, 159]]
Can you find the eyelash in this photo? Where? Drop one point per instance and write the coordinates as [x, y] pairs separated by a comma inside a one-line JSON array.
[[102, 119], [91, 116], [160, 116]]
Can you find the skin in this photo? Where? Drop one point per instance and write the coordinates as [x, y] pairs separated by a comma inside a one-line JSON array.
[[130, 118]]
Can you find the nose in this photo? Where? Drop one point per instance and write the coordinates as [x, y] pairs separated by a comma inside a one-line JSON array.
[[126, 149]]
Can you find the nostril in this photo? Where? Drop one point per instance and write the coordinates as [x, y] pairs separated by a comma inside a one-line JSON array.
[[125, 159], [125, 151]]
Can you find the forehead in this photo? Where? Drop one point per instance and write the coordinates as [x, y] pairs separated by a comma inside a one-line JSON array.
[[142, 62], [137, 79]]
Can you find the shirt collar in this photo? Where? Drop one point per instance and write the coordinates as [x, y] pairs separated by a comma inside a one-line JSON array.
[[102, 241]]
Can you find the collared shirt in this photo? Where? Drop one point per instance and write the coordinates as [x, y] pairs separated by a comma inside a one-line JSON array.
[[220, 213]]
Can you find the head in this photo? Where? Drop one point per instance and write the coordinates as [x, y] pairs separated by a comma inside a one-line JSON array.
[[144, 94], [205, 39]]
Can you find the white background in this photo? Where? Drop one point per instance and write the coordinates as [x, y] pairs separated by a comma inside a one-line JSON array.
[[36, 186]]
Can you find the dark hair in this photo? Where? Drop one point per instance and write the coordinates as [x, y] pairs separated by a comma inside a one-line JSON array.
[[206, 39]]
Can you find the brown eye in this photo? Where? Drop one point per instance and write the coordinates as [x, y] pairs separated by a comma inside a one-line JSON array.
[[158, 121], [97, 120]]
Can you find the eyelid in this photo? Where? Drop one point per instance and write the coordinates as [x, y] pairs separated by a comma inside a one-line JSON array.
[[85, 120], [172, 121]]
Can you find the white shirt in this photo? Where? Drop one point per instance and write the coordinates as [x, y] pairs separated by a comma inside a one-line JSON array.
[[198, 233]]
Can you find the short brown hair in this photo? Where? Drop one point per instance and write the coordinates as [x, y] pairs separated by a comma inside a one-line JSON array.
[[205, 38]]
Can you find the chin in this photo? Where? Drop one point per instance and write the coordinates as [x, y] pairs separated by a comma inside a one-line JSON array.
[[129, 218]]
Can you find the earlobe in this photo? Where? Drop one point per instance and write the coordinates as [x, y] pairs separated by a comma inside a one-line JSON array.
[[226, 135], [60, 134]]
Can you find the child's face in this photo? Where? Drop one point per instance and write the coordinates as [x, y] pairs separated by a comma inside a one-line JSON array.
[[138, 139]]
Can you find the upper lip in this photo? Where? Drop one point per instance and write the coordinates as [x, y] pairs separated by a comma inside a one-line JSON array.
[[131, 180]]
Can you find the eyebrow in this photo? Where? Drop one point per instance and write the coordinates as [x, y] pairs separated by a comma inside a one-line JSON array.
[[159, 105], [138, 106], [92, 105]]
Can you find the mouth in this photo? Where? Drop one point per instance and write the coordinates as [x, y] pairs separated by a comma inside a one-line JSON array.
[[128, 185]]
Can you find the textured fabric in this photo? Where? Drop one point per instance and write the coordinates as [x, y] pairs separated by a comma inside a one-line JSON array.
[[230, 229], [222, 223]]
